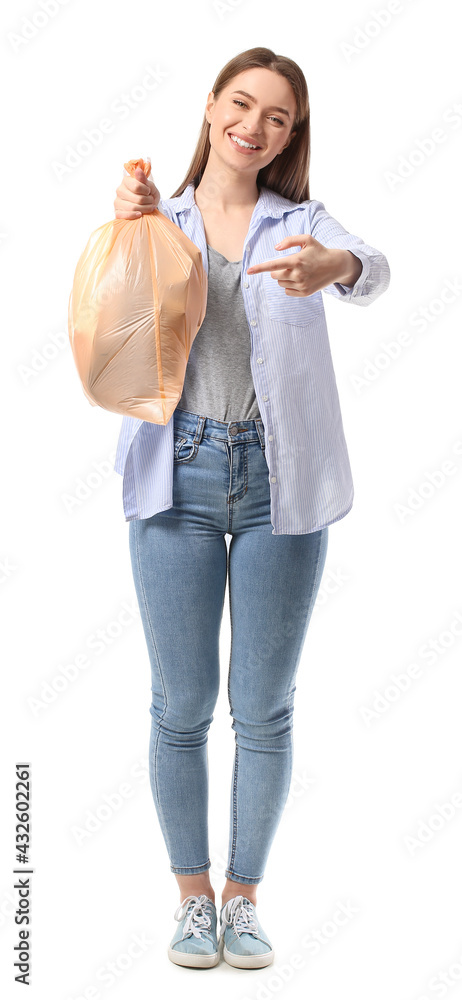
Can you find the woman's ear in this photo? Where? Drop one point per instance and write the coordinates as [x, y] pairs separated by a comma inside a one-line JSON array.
[[287, 143], [209, 105]]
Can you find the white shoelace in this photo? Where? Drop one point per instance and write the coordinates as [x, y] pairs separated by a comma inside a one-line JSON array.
[[240, 915], [199, 918]]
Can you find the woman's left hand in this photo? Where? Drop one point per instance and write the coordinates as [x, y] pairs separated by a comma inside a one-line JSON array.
[[312, 268]]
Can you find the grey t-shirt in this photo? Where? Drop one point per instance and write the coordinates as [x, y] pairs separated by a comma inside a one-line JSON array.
[[218, 381]]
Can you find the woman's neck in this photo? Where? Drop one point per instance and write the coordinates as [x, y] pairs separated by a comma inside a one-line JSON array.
[[226, 191]]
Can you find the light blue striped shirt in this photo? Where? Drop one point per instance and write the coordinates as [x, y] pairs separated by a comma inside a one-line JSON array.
[[309, 470]]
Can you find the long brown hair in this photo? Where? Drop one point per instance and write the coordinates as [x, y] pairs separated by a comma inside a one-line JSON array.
[[288, 173]]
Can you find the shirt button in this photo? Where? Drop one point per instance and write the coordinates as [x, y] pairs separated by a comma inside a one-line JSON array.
[[259, 361], [248, 248], [355, 292], [273, 479], [253, 322], [246, 284], [270, 437], [265, 398]]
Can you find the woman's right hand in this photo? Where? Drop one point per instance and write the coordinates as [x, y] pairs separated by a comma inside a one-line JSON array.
[[136, 196]]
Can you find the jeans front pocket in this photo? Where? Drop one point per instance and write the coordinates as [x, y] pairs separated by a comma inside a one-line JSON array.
[[184, 447]]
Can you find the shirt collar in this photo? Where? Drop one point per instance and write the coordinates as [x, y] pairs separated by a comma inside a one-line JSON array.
[[269, 202]]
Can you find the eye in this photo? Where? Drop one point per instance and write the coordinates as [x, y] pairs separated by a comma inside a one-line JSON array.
[[235, 101]]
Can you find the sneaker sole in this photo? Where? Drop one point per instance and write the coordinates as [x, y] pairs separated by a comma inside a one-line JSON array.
[[195, 961], [248, 961]]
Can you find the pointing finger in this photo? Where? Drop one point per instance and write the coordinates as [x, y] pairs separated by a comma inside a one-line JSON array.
[[271, 265]]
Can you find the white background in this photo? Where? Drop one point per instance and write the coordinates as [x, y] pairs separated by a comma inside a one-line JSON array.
[[363, 788]]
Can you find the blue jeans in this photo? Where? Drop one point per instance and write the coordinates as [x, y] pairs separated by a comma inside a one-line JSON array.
[[180, 562]]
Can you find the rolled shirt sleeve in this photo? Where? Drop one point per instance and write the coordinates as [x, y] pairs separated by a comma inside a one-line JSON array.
[[375, 275]]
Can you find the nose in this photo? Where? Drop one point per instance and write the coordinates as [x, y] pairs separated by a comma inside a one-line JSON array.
[[254, 126]]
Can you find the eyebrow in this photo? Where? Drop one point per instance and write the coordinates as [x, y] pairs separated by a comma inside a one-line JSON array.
[[273, 106]]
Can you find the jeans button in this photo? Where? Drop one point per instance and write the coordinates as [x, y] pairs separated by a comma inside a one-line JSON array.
[[233, 431]]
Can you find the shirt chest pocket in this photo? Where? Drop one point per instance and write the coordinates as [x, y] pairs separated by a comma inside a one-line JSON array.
[[293, 309]]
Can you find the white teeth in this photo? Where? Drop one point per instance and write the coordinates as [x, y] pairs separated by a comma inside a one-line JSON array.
[[247, 145]]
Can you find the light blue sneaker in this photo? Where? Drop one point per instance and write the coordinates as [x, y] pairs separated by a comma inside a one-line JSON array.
[[245, 944], [195, 940]]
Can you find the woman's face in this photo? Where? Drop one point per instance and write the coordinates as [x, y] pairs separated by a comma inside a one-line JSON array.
[[259, 119]]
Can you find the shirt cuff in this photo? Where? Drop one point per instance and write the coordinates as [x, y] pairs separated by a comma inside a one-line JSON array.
[[350, 291]]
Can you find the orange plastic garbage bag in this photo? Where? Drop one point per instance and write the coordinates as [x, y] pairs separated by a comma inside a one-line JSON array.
[[138, 300]]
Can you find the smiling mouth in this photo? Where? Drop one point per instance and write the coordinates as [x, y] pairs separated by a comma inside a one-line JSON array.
[[240, 142]]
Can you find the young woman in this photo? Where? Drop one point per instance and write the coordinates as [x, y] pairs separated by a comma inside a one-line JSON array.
[[255, 449]]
